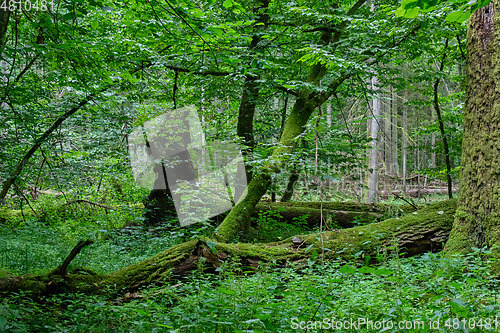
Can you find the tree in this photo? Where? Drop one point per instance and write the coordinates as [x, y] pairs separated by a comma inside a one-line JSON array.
[[478, 214], [477, 218]]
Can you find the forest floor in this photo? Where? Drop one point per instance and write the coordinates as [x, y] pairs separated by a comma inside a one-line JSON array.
[[424, 293]]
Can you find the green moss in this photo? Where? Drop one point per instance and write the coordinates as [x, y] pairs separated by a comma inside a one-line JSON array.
[[155, 269], [5, 274], [9, 214], [436, 219], [343, 206], [478, 216]]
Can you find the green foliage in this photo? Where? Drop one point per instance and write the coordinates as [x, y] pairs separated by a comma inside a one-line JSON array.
[[425, 288], [271, 226], [461, 9]]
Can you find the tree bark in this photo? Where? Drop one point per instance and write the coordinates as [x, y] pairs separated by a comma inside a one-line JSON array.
[[290, 186], [250, 95], [334, 214], [388, 140], [477, 222], [395, 158]]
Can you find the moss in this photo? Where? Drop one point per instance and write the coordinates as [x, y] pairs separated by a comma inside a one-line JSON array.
[[478, 215], [5, 274], [343, 206], [9, 214], [432, 221], [416, 233], [155, 269], [32, 285]]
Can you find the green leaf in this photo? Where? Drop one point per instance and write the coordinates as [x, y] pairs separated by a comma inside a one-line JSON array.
[[212, 245], [228, 4], [383, 271], [346, 269], [400, 12], [226, 291], [453, 17], [366, 269], [94, 25], [412, 13]]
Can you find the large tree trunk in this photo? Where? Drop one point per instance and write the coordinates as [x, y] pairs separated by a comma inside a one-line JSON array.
[[477, 222], [423, 231]]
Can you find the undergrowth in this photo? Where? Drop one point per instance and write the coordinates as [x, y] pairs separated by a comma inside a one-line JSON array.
[[427, 293], [428, 289]]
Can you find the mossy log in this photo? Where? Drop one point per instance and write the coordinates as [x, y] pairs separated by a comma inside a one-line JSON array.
[[334, 214], [419, 232]]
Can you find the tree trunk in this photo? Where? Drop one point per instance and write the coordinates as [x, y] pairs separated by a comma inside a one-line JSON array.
[[441, 125], [387, 140], [4, 24], [416, 233], [404, 140], [335, 214], [290, 186], [373, 172], [307, 101], [477, 222], [395, 163]]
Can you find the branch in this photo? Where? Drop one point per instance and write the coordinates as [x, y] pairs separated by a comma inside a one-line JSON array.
[[89, 202], [63, 268], [20, 166], [287, 90], [460, 47], [203, 73]]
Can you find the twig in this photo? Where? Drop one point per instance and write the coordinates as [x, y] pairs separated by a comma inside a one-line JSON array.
[[405, 200]]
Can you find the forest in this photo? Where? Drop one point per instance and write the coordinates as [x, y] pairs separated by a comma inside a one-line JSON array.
[[249, 166]]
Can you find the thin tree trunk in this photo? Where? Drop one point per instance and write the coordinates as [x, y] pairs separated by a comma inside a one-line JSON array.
[[404, 140], [394, 118], [373, 172], [250, 95], [433, 139], [441, 125], [387, 140]]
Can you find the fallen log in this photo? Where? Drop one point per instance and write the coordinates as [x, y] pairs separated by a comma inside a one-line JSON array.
[[415, 193], [422, 231], [334, 214]]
